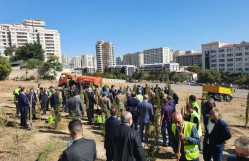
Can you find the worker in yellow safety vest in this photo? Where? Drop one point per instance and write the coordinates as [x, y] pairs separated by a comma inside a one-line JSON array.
[[16, 94], [194, 118], [187, 133], [192, 101]]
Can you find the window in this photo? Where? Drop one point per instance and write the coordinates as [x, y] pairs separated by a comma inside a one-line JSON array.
[[246, 64], [229, 60], [229, 55], [230, 49], [213, 60], [246, 53], [222, 50], [206, 52], [246, 69], [213, 65], [238, 54], [230, 69], [238, 69], [221, 69], [213, 56], [221, 60], [229, 65], [238, 59], [239, 65], [213, 51], [221, 55], [221, 65], [238, 49], [247, 48]]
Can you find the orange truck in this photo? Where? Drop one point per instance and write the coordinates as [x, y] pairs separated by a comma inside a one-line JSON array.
[[66, 78]]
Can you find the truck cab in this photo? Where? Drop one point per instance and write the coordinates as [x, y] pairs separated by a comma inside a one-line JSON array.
[[65, 78]]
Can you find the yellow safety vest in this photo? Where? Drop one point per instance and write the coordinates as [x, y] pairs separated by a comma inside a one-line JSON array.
[[16, 92], [195, 104], [192, 116], [191, 151]]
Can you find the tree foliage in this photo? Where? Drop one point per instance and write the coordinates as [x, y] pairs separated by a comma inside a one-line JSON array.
[[5, 68], [34, 63], [53, 64], [9, 51], [195, 68], [27, 51]]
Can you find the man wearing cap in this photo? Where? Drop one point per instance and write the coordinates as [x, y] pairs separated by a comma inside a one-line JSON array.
[[120, 100], [105, 105]]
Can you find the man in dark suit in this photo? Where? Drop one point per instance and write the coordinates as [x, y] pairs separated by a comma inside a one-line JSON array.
[[145, 114], [81, 149], [75, 106], [92, 101], [23, 104], [215, 136], [32, 98], [125, 142], [175, 97], [110, 124], [54, 98]]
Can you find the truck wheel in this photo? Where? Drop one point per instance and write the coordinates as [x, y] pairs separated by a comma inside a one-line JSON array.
[[221, 98], [228, 98]]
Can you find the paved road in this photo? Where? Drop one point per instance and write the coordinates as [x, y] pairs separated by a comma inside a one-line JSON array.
[[239, 93]]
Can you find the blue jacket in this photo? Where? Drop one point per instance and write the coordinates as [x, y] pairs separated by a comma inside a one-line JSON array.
[[23, 102], [219, 134], [145, 112], [54, 99], [110, 124], [132, 104], [172, 104]]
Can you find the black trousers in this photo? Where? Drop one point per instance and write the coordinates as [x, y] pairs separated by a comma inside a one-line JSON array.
[[24, 118], [44, 106]]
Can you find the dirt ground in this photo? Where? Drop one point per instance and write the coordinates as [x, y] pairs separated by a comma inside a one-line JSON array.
[[18, 144]]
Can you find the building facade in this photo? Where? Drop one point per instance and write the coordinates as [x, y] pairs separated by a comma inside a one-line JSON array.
[[171, 67], [128, 69], [119, 60], [133, 59], [226, 57], [105, 55], [76, 62], [157, 55], [189, 59], [174, 54], [30, 31]]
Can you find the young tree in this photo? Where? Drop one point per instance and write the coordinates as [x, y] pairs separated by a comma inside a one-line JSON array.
[[9, 51], [53, 64], [5, 68]]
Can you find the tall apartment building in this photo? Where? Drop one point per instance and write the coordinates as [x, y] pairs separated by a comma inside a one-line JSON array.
[[76, 62], [30, 31], [133, 59], [88, 60], [226, 57], [105, 55], [157, 55], [119, 60], [189, 59]]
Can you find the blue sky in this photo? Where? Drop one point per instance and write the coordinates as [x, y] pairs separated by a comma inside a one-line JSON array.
[[135, 25]]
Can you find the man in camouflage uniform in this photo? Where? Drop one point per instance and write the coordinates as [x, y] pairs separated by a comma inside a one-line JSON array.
[[120, 100], [105, 105]]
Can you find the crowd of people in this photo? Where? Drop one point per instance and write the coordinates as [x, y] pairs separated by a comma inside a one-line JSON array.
[[136, 109]]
